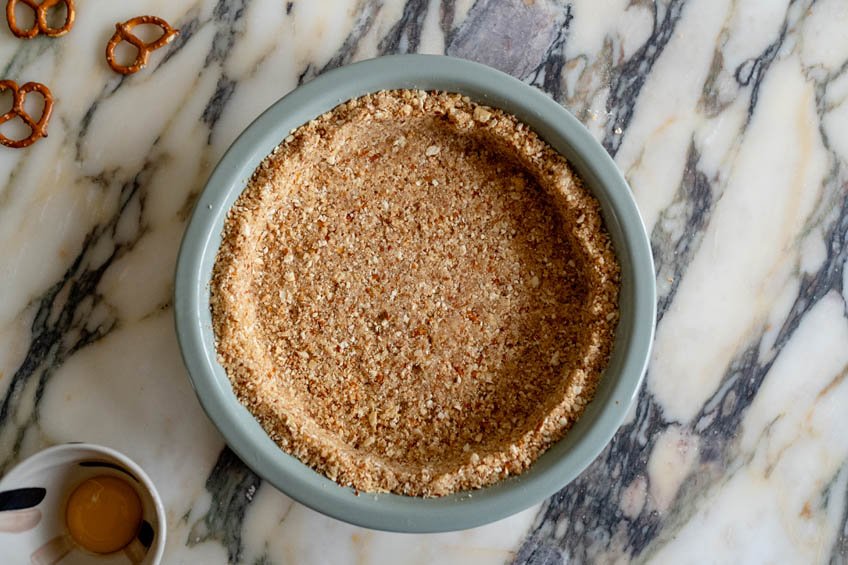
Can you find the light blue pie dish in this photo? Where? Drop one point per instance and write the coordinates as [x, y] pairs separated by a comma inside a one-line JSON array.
[[556, 467]]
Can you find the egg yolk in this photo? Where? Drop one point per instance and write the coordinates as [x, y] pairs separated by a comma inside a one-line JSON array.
[[103, 514]]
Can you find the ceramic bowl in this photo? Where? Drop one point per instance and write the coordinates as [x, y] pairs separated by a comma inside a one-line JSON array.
[[555, 468], [32, 508]]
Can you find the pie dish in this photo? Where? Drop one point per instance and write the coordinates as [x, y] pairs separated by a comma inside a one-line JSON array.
[[634, 333]]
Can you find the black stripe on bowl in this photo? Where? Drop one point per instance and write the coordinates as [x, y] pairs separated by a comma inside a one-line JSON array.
[[108, 465], [20, 498], [145, 533]]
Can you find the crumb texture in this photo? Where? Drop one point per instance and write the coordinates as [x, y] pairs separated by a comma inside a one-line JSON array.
[[415, 294]]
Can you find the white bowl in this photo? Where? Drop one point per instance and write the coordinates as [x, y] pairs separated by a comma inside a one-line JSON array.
[[32, 507]]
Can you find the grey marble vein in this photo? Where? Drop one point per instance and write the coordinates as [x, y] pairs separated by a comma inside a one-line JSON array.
[[547, 75], [188, 26], [751, 72], [224, 90], [678, 233], [405, 35], [62, 324], [232, 487], [346, 52], [226, 16], [512, 37], [839, 551], [629, 77]]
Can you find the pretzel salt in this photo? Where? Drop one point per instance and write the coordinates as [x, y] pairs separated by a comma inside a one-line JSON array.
[[123, 32], [39, 128], [40, 18]]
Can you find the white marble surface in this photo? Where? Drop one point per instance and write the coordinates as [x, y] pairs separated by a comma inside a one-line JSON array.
[[728, 118]]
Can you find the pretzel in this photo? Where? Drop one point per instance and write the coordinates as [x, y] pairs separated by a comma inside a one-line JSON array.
[[39, 129], [123, 32], [40, 18]]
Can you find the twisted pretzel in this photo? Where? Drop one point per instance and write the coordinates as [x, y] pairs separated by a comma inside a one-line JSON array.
[[123, 32], [40, 18], [38, 129]]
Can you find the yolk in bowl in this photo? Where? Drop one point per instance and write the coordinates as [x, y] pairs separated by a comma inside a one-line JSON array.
[[103, 514]]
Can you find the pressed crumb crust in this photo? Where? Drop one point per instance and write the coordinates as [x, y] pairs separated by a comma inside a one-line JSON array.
[[415, 294]]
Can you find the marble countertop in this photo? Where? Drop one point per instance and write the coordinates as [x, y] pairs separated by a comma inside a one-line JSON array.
[[728, 118]]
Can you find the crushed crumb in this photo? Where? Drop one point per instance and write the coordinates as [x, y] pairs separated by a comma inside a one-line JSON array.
[[425, 313]]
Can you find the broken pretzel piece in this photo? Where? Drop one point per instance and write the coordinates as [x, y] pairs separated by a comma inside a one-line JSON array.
[[38, 129], [123, 32], [40, 25]]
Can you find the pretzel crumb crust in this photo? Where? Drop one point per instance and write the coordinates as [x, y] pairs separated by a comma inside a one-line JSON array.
[[416, 294]]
